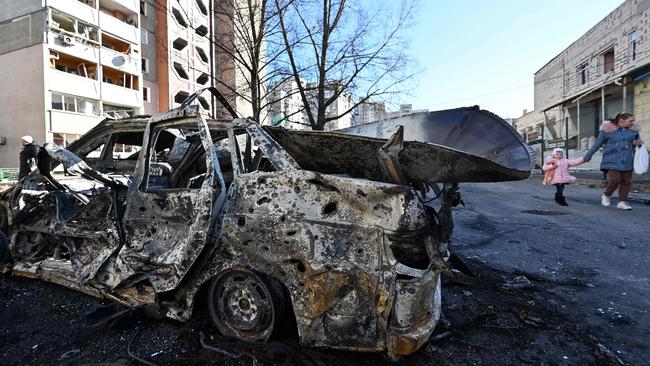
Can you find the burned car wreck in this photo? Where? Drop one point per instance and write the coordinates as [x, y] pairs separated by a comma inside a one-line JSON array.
[[337, 231]]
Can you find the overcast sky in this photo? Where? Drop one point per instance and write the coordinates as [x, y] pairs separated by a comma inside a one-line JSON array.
[[485, 52]]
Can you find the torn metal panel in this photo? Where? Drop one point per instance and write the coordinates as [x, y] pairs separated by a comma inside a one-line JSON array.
[[469, 130], [337, 153]]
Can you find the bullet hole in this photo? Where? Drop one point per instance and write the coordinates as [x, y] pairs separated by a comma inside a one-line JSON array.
[[291, 232], [296, 189], [322, 186], [263, 200], [328, 267], [142, 209], [261, 180], [251, 210], [329, 208], [359, 251], [241, 221], [274, 195], [300, 267], [283, 218], [247, 242], [153, 230], [265, 248], [361, 193]]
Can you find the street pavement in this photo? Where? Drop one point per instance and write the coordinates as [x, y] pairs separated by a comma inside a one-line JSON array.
[[597, 256]]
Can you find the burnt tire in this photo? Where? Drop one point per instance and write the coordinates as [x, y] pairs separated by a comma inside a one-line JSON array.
[[244, 305]]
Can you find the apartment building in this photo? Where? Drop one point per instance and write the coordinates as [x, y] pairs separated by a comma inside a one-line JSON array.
[[179, 56], [370, 111], [64, 65], [287, 109], [603, 72]]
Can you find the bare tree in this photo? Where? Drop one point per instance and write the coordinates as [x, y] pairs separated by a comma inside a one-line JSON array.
[[356, 48], [251, 52], [247, 55]]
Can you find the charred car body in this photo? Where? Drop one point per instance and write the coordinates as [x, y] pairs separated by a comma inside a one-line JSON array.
[[354, 254]]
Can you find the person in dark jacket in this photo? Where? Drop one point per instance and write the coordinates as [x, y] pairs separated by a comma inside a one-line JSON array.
[[617, 137], [30, 151]]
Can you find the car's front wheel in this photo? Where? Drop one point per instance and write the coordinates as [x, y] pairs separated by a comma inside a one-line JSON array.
[[242, 306]]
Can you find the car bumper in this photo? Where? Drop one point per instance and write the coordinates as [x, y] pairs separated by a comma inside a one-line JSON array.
[[416, 311]]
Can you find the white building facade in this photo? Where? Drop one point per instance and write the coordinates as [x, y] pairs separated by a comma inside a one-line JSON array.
[[66, 65]]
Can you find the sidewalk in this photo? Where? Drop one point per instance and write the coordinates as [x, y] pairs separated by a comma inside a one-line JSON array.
[[594, 179]]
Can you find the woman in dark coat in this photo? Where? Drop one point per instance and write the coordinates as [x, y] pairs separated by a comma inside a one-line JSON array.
[[618, 138]]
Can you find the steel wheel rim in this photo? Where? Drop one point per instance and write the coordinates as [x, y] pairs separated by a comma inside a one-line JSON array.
[[245, 307]]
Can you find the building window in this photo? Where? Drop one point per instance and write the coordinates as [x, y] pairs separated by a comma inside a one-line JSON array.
[[146, 94], [201, 6], [180, 71], [202, 55], [181, 96], [203, 78], [179, 18], [144, 36], [71, 103], [633, 45], [583, 74], [201, 30], [64, 139], [203, 103], [143, 8], [117, 111], [71, 30], [145, 66], [607, 60], [57, 101], [179, 44]]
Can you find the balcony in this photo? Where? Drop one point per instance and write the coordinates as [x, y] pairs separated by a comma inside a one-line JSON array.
[[72, 122], [68, 83], [77, 9], [65, 42], [120, 88], [126, 6], [120, 55], [120, 61], [120, 28], [121, 96]]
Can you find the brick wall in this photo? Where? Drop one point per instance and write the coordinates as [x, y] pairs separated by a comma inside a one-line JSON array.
[[559, 78]]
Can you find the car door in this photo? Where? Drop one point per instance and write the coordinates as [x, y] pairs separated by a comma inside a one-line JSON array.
[[171, 209]]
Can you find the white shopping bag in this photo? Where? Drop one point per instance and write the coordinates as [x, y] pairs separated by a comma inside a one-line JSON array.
[[641, 160]]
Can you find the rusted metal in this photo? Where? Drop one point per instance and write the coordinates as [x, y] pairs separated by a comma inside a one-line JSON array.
[[356, 261]]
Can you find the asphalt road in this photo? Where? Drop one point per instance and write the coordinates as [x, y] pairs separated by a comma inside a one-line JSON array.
[[553, 286], [596, 259]]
